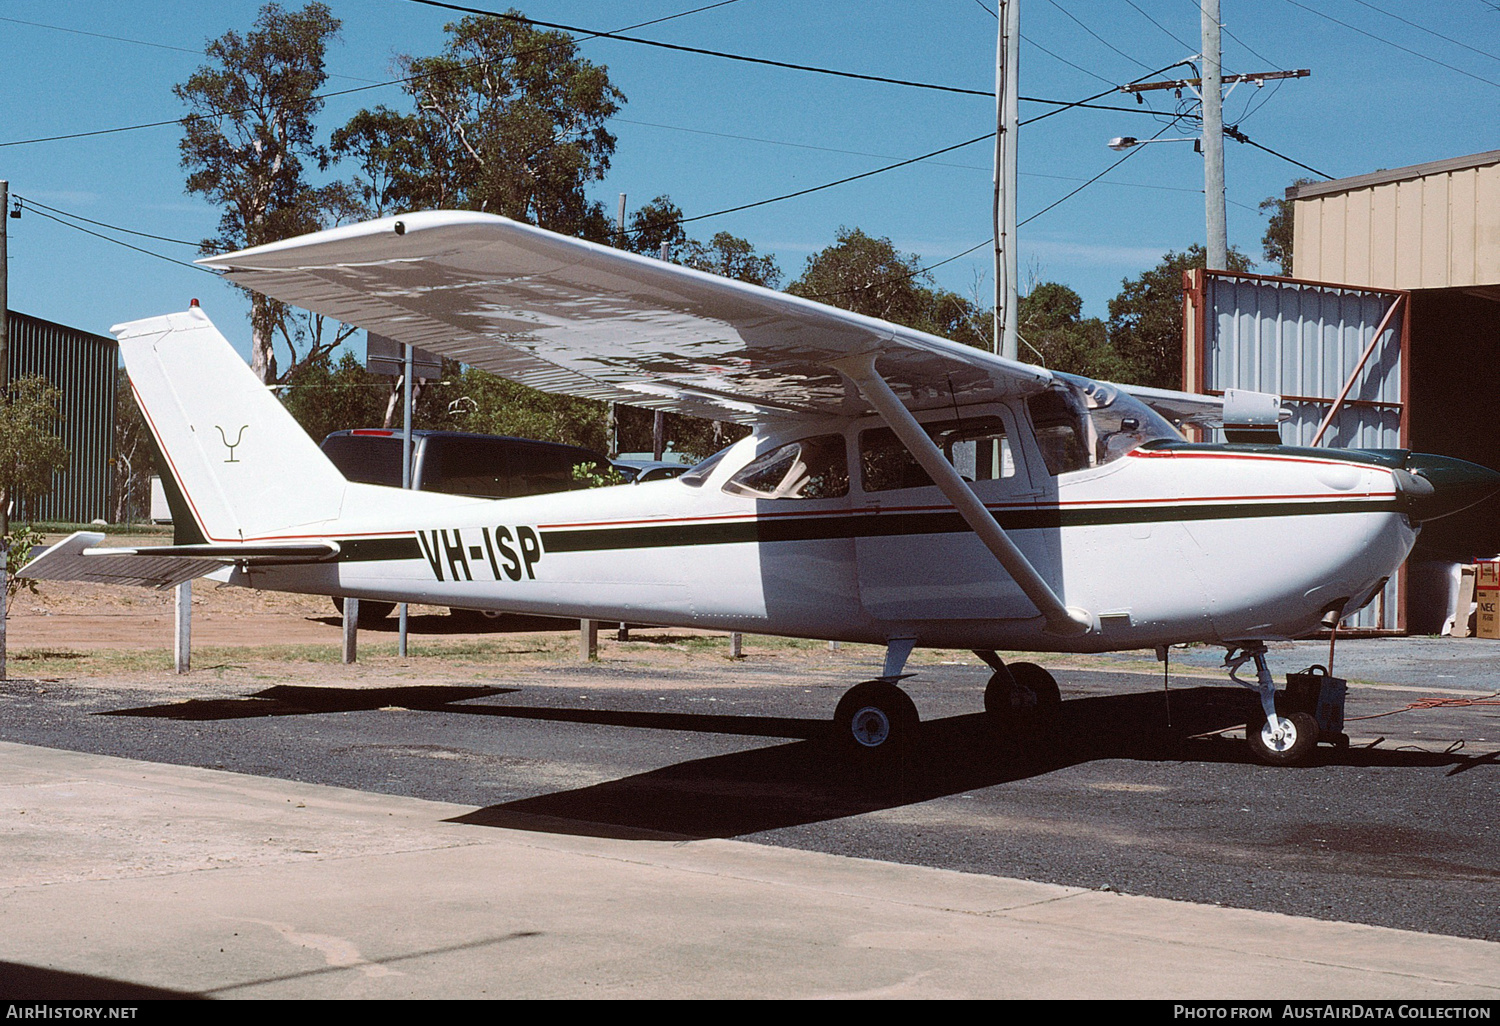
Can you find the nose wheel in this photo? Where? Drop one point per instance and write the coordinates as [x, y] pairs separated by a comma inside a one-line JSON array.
[[1291, 742]]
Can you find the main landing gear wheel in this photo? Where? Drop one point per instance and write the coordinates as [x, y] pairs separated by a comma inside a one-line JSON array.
[[1295, 746], [1022, 695], [874, 720]]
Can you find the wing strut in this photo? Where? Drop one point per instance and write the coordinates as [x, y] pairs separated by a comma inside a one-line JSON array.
[[1067, 621]]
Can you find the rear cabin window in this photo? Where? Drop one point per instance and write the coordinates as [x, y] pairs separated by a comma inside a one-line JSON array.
[[976, 446], [466, 466], [811, 468]]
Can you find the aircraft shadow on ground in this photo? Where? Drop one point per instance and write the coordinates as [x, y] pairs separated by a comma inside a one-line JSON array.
[[457, 623], [810, 781], [20, 982], [299, 700]]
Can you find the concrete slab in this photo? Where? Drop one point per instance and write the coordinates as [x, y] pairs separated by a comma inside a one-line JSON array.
[[121, 873]]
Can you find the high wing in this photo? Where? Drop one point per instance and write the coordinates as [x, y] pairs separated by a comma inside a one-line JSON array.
[[574, 317]]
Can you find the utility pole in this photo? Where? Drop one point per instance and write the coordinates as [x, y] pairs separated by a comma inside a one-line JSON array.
[[1209, 89], [1007, 116], [4, 389], [1213, 140]]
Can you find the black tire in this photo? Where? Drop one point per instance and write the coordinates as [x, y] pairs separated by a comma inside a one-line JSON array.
[[1001, 700], [1295, 749], [371, 611], [1022, 696], [875, 720]]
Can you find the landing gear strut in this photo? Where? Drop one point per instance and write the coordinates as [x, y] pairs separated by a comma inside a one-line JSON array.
[[1274, 739]]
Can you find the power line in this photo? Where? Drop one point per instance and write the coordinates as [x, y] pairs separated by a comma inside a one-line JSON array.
[[841, 181], [1234, 133], [139, 42], [1430, 32], [1398, 46], [332, 93], [700, 50], [1128, 154], [886, 156], [34, 205], [1096, 35], [1169, 32], [117, 242]]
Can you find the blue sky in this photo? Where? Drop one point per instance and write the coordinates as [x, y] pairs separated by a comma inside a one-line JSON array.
[[712, 133]]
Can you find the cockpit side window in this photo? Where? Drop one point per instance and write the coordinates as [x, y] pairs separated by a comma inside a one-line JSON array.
[[1082, 423], [810, 468], [976, 446], [1062, 429]]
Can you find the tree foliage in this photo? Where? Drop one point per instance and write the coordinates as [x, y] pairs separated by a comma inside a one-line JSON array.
[[659, 223], [1276, 244], [30, 452], [1052, 324], [868, 276], [1145, 319], [507, 119], [134, 460], [248, 142]]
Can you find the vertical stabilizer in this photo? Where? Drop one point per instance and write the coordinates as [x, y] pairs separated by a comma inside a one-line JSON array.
[[245, 467]]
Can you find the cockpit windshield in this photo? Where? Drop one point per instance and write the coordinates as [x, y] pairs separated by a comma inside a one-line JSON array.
[[1081, 423]]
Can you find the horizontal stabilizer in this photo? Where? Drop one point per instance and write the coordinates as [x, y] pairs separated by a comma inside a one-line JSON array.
[[77, 558]]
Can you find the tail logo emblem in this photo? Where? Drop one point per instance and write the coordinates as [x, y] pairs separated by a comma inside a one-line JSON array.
[[231, 446]]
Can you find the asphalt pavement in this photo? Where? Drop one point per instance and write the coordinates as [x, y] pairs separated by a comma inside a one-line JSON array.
[[139, 877]]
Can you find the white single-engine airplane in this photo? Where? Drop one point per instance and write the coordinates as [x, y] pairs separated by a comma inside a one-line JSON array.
[[897, 489]]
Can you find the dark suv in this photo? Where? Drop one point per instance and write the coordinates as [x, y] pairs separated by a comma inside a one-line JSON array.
[[458, 463]]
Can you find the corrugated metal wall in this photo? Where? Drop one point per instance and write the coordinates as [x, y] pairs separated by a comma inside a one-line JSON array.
[[1302, 341], [82, 366], [1429, 226]]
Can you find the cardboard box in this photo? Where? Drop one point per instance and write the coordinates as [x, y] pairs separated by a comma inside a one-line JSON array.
[[1487, 597]]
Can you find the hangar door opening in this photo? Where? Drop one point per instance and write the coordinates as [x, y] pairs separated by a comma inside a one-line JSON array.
[[1336, 355]]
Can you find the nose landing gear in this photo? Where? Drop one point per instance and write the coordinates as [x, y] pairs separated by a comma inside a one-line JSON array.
[[1276, 737]]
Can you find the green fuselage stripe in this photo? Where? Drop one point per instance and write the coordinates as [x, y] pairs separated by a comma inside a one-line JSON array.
[[870, 525], [883, 525]]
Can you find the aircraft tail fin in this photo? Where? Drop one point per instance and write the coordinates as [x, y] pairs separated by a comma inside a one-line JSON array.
[[244, 467]]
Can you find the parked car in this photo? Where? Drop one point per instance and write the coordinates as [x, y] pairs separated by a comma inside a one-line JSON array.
[[641, 471], [458, 463]]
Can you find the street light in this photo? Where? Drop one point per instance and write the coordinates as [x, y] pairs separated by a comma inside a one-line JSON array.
[[1125, 142]]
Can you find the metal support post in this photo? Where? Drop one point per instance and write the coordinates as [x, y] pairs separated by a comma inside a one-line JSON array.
[[406, 352], [182, 644], [351, 630], [588, 640], [736, 645]]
